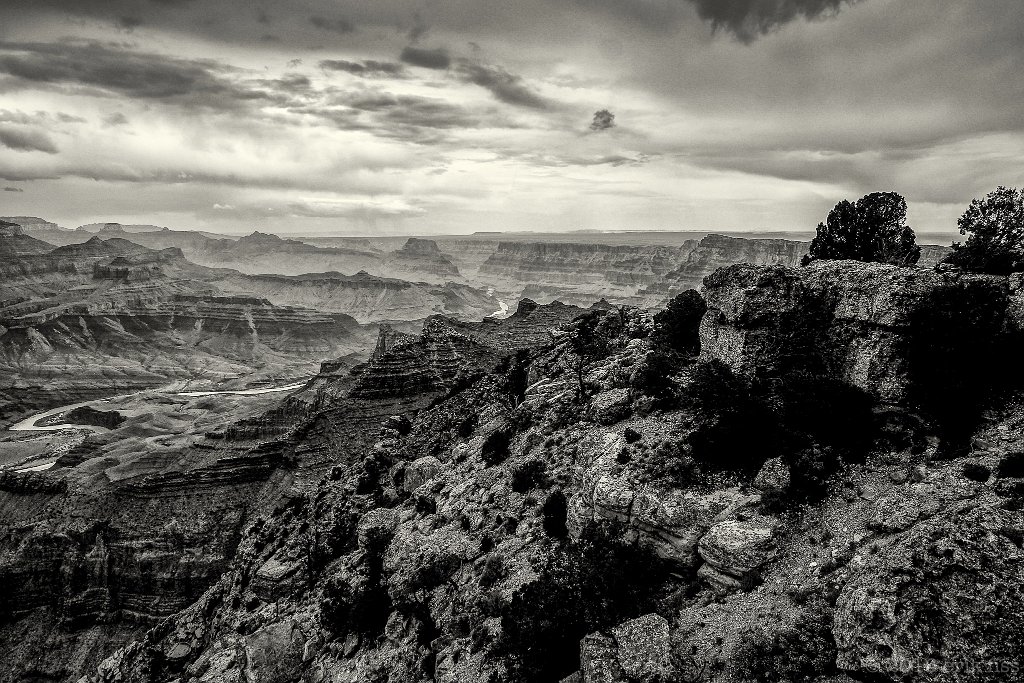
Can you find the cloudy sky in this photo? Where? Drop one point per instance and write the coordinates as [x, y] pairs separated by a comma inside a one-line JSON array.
[[441, 116]]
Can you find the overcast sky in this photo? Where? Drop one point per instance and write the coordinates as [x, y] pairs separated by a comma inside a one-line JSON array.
[[384, 116]]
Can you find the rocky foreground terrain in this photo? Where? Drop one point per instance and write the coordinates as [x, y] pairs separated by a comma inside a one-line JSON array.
[[802, 475]]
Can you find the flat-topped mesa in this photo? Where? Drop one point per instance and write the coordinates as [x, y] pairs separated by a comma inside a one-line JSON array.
[[121, 268], [716, 251], [575, 263], [15, 243], [422, 257], [418, 245], [859, 319]]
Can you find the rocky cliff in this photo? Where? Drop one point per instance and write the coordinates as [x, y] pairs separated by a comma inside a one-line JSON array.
[[861, 319], [546, 263], [369, 298], [716, 251], [14, 242], [562, 515], [626, 274]]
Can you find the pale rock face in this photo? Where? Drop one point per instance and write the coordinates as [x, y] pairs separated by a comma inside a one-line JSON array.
[[737, 548], [720, 582], [670, 521], [599, 662], [377, 525], [638, 650], [274, 654], [420, 471], [611, 406]]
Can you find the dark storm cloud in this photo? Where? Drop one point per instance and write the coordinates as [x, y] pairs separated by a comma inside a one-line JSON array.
[[341, 26], [127, 23], [136, 74], [428, 59], [747, 19], [506, 87], [26, 140], [415, 111], [288, 83], [603, 120], [38, 118], [368, 69]]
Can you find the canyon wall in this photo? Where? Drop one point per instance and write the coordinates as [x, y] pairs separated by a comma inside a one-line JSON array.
[[368, 298]]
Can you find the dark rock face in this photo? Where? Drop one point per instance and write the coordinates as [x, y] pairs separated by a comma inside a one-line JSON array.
[[448, 351], [87, 415]]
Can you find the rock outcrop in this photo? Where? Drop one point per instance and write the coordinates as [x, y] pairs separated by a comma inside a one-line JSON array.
[[672, 522], [734, 551], [860, 316]]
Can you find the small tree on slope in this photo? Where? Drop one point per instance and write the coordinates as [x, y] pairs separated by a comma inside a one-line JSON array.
[[872, 229], [996, 228]]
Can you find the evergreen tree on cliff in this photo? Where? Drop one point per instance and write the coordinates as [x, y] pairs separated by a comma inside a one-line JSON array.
[[996, 228], [872, 229]]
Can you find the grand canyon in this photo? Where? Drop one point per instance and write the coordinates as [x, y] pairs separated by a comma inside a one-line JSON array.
[[215, 472], [643, 341]]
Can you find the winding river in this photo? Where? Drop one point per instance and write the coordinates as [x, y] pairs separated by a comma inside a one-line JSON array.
[[29, 423]]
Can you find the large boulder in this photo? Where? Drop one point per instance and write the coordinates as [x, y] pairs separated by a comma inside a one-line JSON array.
[[643, 647], [419, 472], [637, 651], [940, 602], [737, 548], [274, 654]]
